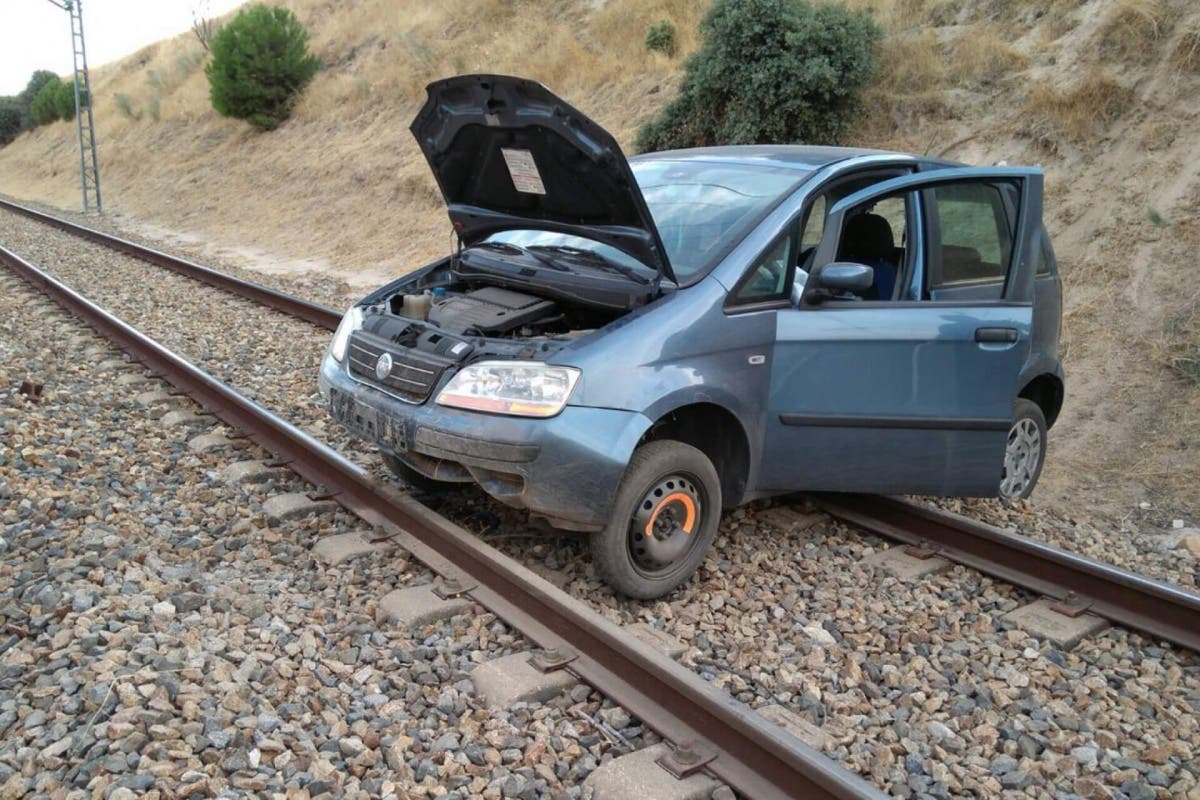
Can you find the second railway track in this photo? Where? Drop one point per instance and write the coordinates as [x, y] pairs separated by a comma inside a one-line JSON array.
[[1038, 580], [1121, 596]]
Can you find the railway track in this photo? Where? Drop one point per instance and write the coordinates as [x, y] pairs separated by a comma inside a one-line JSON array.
[[1125, 598], [1078, 584], [712, 733]]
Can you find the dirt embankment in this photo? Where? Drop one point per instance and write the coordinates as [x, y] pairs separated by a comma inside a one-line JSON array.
[[1103, 93]]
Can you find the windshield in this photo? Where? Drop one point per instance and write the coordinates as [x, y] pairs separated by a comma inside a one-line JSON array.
[[699, 207]]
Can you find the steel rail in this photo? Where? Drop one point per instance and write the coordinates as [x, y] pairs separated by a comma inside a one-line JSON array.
[[306, 310], [1123, 597], [757, 759], [1163, 610]]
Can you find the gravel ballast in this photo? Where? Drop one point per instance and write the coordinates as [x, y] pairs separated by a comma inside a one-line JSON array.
[[923, 689], [158, 638]]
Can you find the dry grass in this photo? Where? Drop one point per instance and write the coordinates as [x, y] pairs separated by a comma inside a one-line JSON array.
[[1185, 56], [912, 63], [1078, 114], [1179, 347], [980, 53], [911, 83], [1132, 29], [342, 181], [908, 15]]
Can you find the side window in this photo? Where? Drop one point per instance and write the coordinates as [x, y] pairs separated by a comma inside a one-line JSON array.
[[814, 226], [768, 278], [974, 236], [876, 235]]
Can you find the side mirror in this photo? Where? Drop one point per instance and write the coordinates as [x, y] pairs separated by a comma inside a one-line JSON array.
[[839, 277], [844, 276]]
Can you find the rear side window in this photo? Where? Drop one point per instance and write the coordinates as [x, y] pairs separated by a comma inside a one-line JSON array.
[[975, 235]]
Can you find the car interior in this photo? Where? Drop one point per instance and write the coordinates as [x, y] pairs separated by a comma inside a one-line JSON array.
[[969, 223]]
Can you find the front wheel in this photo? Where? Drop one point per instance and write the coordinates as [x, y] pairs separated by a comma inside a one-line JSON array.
[[1025, 451], [663, 521]]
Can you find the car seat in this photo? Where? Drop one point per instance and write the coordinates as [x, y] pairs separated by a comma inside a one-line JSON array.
[[868, 240]]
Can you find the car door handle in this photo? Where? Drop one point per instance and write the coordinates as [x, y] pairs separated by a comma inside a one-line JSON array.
[[996, 335]]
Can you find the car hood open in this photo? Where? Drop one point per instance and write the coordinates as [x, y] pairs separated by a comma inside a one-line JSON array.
[[507, 153]]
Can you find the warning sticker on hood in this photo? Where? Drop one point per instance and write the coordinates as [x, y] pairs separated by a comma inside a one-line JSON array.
[[524, 172]]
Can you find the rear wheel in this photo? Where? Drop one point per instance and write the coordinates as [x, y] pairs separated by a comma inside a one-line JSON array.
[[413, 478], [1025, 452], [663, 521]]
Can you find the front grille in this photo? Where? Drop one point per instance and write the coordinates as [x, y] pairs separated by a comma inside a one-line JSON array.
[[412, 376]]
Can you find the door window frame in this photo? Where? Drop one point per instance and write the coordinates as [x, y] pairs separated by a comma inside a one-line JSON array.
[[796, 223], [933, 230], [1018, 281]]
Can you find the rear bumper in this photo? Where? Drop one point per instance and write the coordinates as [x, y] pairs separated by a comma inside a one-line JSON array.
[[566, 468]]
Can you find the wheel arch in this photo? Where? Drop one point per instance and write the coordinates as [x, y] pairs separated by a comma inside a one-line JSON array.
[[715, 431], [1046, 390]]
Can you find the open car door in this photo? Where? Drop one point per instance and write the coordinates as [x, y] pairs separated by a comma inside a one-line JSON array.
[[916, 394]]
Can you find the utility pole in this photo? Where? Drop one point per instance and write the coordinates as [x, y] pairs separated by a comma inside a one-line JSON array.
[[89, 167]]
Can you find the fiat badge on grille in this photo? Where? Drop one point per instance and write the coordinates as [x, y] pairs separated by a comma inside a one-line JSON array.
[[383, 367]]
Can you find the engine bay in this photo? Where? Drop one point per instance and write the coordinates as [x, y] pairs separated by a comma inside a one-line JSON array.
[[492, 311], [458, 320]]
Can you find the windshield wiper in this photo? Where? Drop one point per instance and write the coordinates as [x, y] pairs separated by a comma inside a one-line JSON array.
[[517, 250], [592, 258]]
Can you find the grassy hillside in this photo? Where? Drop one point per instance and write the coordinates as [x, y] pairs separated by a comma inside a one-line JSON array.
[[1103, 93], [342, 182]]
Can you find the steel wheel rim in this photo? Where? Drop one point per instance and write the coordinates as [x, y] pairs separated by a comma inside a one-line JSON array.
[[665, 525], [1022, 455]]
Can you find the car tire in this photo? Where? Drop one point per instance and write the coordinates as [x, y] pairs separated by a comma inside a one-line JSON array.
[[412, 478], [672, 488], [1024, 451]]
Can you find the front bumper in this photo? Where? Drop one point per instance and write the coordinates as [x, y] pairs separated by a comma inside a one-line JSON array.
[[566, 468]]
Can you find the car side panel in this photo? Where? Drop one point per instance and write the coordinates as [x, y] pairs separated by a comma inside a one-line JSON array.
[[898, 398]]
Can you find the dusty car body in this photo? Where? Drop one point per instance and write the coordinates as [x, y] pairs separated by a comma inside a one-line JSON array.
[[627, 347]]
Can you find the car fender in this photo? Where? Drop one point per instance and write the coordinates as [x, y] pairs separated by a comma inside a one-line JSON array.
[[1040, 364]]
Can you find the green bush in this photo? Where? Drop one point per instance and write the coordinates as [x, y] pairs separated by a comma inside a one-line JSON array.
[[44, 109], [769, 71], [36, 81], [660, 37], [10, 118], [65, 100], [260, 63]]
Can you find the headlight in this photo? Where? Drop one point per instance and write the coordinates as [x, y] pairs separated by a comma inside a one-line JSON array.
[[341, 337], [520, 388]]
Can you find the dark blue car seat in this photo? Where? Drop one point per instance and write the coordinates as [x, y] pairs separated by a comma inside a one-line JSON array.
[[868, 240]]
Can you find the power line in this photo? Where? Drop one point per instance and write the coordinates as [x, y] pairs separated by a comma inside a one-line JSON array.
[[89, 166]]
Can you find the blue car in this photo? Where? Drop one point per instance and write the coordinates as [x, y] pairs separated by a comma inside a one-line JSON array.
[[627, 347]]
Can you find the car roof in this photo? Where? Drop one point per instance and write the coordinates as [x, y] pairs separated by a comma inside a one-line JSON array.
[[800, 157]]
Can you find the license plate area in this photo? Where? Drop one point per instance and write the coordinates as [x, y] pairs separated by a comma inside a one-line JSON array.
[[367, 422]]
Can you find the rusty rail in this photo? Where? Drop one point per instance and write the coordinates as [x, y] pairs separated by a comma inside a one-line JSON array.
[[315, 313], [756, 758], [1126, 598], [1160, 609]]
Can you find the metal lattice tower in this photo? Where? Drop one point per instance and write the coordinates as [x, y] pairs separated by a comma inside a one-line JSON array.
[[89, 167]]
